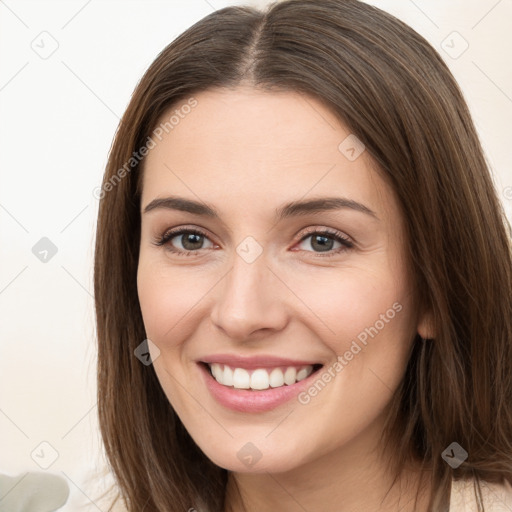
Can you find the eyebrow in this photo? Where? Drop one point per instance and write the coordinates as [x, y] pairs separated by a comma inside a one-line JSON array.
[[293, 209]]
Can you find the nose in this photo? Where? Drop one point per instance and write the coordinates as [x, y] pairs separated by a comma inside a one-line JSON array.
[[250, 300]]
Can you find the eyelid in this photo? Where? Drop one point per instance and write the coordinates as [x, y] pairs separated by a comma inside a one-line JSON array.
[[329, 231]]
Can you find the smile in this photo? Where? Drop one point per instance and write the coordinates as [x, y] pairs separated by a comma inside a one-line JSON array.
[[256, 385], [260, 378]]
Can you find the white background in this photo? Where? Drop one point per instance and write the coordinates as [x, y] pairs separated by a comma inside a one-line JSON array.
[[57, 119]]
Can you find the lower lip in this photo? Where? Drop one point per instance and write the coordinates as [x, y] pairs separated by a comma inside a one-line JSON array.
[[243, 400]]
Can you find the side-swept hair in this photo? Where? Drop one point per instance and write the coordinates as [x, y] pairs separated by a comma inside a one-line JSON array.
[[396, 94]]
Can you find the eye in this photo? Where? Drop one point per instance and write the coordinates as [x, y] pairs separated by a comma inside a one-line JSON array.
[[323, 241], [191, 241]]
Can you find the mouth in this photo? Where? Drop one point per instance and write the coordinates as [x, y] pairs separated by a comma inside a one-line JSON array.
[[259, 379], [256, 384]]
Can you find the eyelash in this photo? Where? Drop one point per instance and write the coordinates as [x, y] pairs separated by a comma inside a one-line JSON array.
[[329, 233]]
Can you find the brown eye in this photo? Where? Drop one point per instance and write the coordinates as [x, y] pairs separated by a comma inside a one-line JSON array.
[[323, 242], [190, 240]]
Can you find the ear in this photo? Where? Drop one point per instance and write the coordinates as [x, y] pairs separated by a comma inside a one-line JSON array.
[[425, 326]]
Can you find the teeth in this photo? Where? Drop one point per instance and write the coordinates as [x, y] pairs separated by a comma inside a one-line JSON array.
[[290, 375], [241, 379], [259, 379], [302, 374], [276, 378], [227, 376], [215, 368]]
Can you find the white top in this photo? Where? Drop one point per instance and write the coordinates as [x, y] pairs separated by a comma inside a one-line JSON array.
[[496, 497]]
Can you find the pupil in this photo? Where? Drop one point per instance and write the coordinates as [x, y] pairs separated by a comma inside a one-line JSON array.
[[190, 239], [322, 246]]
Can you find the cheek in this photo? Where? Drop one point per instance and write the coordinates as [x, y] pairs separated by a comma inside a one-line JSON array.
[[365, 318], [345, 303], [167, 298]]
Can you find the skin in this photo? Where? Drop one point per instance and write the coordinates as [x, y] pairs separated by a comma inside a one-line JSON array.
[[247, 152]]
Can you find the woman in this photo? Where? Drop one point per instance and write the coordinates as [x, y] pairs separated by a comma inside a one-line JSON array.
[[299, 231]]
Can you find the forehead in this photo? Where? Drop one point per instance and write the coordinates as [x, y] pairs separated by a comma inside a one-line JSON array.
[[234, 121], [257, 147]]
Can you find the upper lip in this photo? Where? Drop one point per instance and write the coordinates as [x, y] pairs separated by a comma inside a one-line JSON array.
[[253, 362]]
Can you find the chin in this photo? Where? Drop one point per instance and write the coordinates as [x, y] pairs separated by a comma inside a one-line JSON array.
[[247, 458]]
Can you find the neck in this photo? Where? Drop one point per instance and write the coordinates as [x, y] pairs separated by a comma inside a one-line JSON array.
[[344, 480]]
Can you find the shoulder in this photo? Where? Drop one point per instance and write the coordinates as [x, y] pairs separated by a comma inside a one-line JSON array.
[[496, 497]]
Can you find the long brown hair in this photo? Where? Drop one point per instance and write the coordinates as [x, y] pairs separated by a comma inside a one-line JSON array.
[[395, 93]]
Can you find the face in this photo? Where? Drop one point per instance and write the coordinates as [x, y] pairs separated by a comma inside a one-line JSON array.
[[245, 265]]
